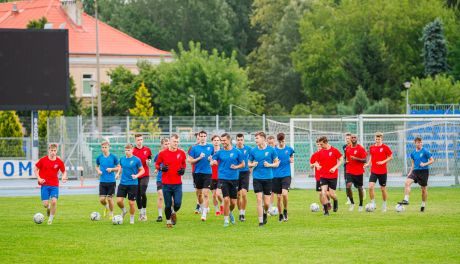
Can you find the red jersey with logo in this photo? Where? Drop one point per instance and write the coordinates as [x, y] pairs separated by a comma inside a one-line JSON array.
[[379, 153], [327, 158], [175, 161], [143, 154], [48, 170], [313, 159], [353, 166], [215, 171]]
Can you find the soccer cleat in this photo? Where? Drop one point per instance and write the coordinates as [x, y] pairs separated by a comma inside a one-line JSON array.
[[243, 218], [285, 214], [265, 219], [384, 208], [48, 211], [351, 208], [123, 213], [197, 209], [131, 221], [360, 209], [50, 222], [169, 225], [104, 214], [221, 209], [336, 206], [226, 224], [232, 218], [203, 218], [173, 218], [404, 202], [160, 219], [110, 215], [329, 206], [326, 213], [348, 201], [422, 209], [261, 224], [281, 218], [217, 213]]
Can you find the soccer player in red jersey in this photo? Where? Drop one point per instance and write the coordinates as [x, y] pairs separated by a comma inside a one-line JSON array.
[[46, 170], [164, 145], [216, 192], [313, 163], [329, 160], [145, 155], [356, 156], [380, 155], [172, 163]]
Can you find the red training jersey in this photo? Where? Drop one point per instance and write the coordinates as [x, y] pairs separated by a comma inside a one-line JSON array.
[[313, 159], [327, 158], [48, 170], [175, 161], [143, 154], [379, 153], [353, 166], [215, 171]]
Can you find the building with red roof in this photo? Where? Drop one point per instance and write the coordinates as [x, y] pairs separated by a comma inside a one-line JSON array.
[[115, 47]]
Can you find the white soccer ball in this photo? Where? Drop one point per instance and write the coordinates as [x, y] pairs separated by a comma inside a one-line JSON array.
[[39, 218], [117, 220], [370, 208], [400, 208], [273, 211], [314, 207], [95, 216]]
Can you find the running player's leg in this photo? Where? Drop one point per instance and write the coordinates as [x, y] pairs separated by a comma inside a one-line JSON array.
[[167, 196], [177, 197], [383, 188], [121, 194], [407, 187], [423, 181], [324, 197], [424, 197], [160, 201], [371, 187], [267, 191], [349, 182], [132, 194]]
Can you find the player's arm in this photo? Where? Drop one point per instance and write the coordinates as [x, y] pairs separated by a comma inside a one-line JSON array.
[[64, 176], [363, 160], [291, 158], [385, 160], [37, 173], [337, 165], [192, 160], [368, 162], [98, 170], [117, 175], [429, 162], [140, 172], [237, 167], [411, 167]]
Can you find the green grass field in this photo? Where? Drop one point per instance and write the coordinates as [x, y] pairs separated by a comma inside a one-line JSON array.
[[343, 237]]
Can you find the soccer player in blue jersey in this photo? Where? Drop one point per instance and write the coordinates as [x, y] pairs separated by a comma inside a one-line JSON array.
[[200, 155], [131, 169], [230, 161], [217, 198], [106, 165], [243, 181], [272, 210], [419, 172], [282, 175], [164, 145], [262, 158]]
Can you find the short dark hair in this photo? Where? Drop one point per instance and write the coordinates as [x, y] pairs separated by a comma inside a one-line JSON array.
[[347, 134], [202, 132], [280, 136], [226, 135], [128, 146], [137, 135], [417, 139], [163, 140], [323, 139], [261, 133], [271, 137], [175, 136], [215, 136], [239, 135]]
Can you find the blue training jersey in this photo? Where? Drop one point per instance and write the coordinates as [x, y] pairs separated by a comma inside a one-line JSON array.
[[284, 155], [245, 151], [111, 161], [202, 166], [267, 154], [226, 158], [419, 156], [129, 167]]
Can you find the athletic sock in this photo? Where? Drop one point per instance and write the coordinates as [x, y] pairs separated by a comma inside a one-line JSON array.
[[124, 210], [107, 206], [226, 219], [384, 204], [373, 201], [160, 212], [131, 218], [423, 204], [325, 208], [261, 219], [216, 208], [168, 222], [406, 198], [51, 217], [244, 212]]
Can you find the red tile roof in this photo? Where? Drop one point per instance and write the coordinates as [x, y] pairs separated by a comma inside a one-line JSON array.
[[82, 39]]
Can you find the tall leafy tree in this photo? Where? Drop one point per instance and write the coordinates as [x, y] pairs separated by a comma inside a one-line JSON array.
[[434, 48], [10, 127], [142, 113]]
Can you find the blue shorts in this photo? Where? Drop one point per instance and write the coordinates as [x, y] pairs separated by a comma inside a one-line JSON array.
[[48, 192]]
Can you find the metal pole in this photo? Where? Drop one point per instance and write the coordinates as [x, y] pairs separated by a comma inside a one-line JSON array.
[[92, 108], [263, 122], [405, 147], [230, 119], [170, 125], [98, 80], [127, 128], [446, 148], [292, 142], [407, 101], [217, 124], [194, 114], [310, 128]]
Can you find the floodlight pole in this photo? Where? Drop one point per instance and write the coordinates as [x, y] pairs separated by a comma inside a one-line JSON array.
[[98, 80], [194, 111]]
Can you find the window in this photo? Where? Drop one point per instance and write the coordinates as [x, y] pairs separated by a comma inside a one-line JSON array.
[[87, 84]]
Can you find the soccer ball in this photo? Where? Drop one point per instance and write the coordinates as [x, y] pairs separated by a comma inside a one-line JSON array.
[[117, 220], [95, 216], [273, 211], [400, 208], [314, 207], [39, 218], [370, 208]]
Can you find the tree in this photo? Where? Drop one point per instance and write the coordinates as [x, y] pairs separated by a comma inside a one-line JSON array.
[[75, 107], [360, 101], [143, 120], [117, 97], [38, 23], [434, 48], [10, 127], [441, 89]]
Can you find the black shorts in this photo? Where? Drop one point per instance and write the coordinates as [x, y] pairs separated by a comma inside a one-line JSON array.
[[159, 186], [243, 180], [202, 181], [331, 183], [107, 188], [144, 181], [127, 190], [318, 186], [420, 177], [229, 188], [382, 178], [214, 184], [357, 180], [264, 186], [279, 184]]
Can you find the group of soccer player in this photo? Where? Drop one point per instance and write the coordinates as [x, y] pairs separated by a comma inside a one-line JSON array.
[[327, 159], [224, 169]]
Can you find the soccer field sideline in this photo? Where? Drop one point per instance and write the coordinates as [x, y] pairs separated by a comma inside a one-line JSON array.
[[343, 237]]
